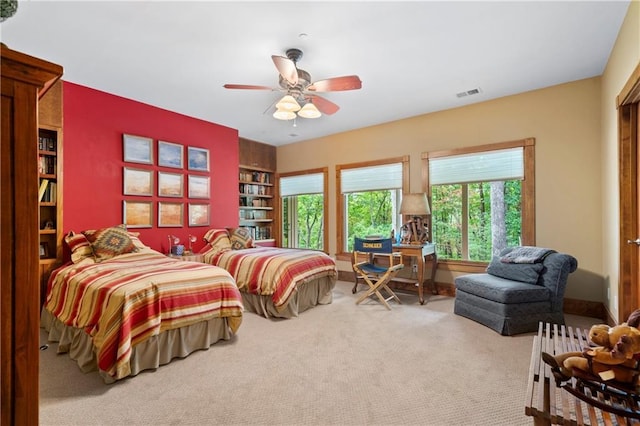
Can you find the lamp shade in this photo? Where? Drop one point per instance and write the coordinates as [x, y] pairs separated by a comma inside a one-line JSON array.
[[283, 114], [415, 204], [288, 103], [309, 111]]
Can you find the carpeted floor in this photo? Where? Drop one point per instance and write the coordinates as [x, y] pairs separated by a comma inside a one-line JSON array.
[[338, 364]]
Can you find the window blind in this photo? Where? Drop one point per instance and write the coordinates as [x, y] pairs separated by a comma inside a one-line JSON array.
[[302, 184], [373, 178], [487, 166]]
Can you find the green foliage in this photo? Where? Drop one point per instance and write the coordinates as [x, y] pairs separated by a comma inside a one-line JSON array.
[[368, 213], [447, 219], [307, 211]]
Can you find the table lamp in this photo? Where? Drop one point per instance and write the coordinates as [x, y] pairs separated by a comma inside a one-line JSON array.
[[416, 206]]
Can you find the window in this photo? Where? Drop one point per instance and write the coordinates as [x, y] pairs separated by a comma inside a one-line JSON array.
[[481, 199], [369, 200], [304, 215]]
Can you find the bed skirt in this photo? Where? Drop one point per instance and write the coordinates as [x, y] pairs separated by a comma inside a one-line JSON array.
[[150, 354], [318, 291]]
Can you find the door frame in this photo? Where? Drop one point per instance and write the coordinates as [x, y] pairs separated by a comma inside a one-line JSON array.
[[627, 105]]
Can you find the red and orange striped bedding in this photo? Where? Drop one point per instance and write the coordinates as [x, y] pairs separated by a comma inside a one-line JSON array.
[[124, 300], [271, 271]]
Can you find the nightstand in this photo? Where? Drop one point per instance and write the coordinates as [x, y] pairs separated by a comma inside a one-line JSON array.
[[195, 257]]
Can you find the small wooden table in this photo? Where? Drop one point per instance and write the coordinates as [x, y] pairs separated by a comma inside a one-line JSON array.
[[549, 404], [421, 252], [195, 257]]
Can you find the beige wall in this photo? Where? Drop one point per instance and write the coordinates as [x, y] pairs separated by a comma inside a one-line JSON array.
[[564, 120], [575, 126], [622, 61]]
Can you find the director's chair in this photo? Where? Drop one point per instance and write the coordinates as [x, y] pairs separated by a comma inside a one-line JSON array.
[[366, 251]]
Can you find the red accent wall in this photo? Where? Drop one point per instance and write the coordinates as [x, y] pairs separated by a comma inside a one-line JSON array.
[[94, 123]]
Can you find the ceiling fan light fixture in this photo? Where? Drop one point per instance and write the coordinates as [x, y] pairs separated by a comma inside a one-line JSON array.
[[283, 114], [288, 103], [309, 111]]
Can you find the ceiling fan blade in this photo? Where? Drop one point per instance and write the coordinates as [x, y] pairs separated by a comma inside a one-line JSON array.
[[287, 69], [325, 106], [336, 84], [247, 86]]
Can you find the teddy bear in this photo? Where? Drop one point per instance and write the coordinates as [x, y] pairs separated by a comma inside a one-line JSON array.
[[615, 357]]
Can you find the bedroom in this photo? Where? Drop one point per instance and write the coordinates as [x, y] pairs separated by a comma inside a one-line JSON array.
[[582, 220]]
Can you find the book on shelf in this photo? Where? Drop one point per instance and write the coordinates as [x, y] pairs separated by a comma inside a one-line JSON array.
[[43, 188]]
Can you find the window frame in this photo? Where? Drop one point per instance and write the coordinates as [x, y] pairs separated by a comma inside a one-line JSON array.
[[340, 213], [325, 210], [527, 195]]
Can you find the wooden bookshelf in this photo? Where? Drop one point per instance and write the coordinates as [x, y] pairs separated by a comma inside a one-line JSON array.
[[256, 188]]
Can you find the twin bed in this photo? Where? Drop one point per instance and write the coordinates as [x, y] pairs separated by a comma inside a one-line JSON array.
[[127, 308]]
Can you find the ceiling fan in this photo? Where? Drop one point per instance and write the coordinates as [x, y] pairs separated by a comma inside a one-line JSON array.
[[301, 97]]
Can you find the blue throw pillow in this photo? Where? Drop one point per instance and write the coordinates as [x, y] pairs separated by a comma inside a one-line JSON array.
[[523, 272]]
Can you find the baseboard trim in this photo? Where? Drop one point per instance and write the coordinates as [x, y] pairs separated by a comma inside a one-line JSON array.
[[584, 308]]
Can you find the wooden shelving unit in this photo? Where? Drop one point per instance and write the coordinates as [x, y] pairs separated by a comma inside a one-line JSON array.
[[257, 202], [50, 183]]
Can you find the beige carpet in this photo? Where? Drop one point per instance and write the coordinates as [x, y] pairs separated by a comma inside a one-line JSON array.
[[339, 364]]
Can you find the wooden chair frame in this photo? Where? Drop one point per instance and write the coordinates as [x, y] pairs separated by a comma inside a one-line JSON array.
[[372, 272]]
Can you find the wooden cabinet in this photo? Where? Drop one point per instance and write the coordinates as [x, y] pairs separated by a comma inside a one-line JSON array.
[[257, 190], [257, 154], [50, 182], [24, 80]]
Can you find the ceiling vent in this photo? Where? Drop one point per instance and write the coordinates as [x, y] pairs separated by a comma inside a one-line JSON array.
[[468, 93]]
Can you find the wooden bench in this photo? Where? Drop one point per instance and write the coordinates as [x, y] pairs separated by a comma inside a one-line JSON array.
[[549, 404]]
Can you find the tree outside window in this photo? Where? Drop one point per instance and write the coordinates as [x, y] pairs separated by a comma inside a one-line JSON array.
[[493, 219], [482, 199], [303, 221], [304, 209], [371, 213], [369, 200]]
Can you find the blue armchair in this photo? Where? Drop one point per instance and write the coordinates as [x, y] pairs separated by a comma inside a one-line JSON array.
[[511, 298]]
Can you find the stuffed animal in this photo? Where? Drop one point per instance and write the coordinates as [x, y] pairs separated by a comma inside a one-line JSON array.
[[615, 357]]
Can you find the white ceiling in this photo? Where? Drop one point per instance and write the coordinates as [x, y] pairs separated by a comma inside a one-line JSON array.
[[412, 57]]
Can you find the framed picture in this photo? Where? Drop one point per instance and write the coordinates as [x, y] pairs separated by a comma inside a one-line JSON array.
[[198, 159], [170, 184], [198, 186], [198, 214], [137, 214], [170, 155], [137, 182], [138, 149], [170, 214], [44, 250]]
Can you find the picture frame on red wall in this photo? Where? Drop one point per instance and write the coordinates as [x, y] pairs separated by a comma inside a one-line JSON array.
[[170, 155], [198, 214], [137, 149], [137, 214], [170, 215], [198, 159]]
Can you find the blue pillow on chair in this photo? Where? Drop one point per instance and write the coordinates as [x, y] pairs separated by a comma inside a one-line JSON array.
[[523, 272]]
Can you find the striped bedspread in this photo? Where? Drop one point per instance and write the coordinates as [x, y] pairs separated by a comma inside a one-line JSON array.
[[271, 271], [124, 300]]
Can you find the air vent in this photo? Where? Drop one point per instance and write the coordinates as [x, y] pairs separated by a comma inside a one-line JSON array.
[[468, 93]]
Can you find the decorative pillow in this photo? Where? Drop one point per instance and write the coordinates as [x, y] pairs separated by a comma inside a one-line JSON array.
[[136, 240], [523, 272], [240, 238], [218, 239], [79, 246], [213, 235], [110, 242]]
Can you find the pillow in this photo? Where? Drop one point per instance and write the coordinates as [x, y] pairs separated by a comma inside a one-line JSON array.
[[110, 242], [136, 240], [79, 246], [523, 272], [218, 239], [240, 238]]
